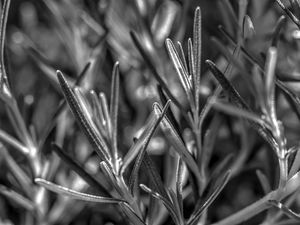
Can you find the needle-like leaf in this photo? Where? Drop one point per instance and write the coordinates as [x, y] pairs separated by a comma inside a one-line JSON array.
[[176, 206], [264, 182], [132, 216], [179, 183], [233, 95], [99, 118], [165, 201], [235, 111], [224, 165], [237, 100], [75, 194], [177, 143], [18, 172], [296, 163], [134, 174], [114, 106], [105, 110], [17, 198], [170, 114], [182, 73], [295, 5], [289, 13], [154, 176], [96, 141], [209, 141], [270, 67], [4, 14], [248, 28], [233, 59], [279, 25], [44, 64], [197, 49], [191, 60], [6, 138], [198, 212], [61, 108], [182, 56], [134, 149], [154, 71]]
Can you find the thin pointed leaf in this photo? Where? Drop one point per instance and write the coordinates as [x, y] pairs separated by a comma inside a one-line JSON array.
[[134, 174], [153, 208], [295, 7], [270, 67], [79, 169], [289, 13], [264, 182], [296, 164], [170, 114], [132, 216], [154, 71], [207, 107], [237, 100], [198, 212], [99, 114], [75, 194], [233, 59], [197, 49], [107, 170], [248, 28], [182, 73], [191, 60], [177, 143], [279, 25], [134, 149], [3, 23], [241, 15], [176, 205], [19, 173], [179, 183], [228, 8], [44, 65], [154, 176], [6, 138], [60, 108], [114, 107], [105, 109], [233, 42], [224, 165], [235, 111], [259, 88], [182, 56], [85, 106], [285, 210], [165, 201], [209, 141], [227, 87], [96, 141], [17, 198], [65, 33]]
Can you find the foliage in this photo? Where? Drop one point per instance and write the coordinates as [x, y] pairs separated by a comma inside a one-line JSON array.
[[80, 143]]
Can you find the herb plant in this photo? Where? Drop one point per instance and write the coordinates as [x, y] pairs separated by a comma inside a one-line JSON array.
[[219, 145]]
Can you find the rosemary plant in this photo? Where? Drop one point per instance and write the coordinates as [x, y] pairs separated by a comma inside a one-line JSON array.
[[219, 145]]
